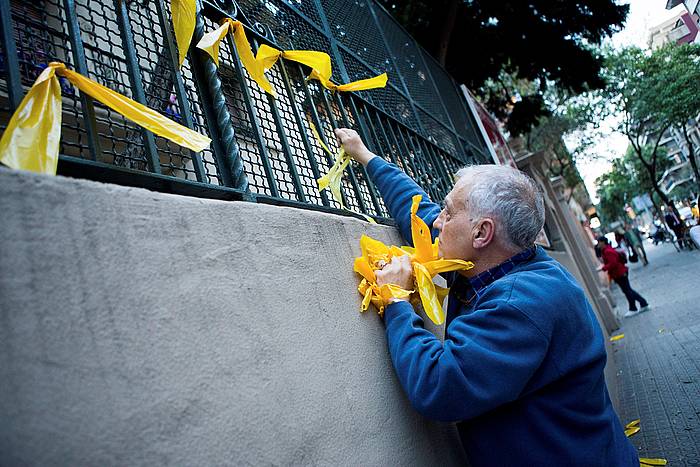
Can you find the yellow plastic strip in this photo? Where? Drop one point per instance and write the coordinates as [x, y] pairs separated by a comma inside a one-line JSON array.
[[633, 423], [631, 431], [378, 81], [31, 139], [426, 264], [319, 62], [137, 113], [650, 461], [211, 41], [616, 338], [184, 13]]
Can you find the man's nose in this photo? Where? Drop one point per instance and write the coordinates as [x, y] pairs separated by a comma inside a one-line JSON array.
[[437, 223]]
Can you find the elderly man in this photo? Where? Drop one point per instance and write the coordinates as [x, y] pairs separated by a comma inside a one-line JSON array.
[[521, 366]]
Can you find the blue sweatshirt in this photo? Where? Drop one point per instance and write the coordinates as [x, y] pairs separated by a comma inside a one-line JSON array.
[[521, 366]]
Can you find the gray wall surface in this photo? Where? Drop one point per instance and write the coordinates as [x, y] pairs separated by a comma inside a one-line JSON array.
[[140, 328]]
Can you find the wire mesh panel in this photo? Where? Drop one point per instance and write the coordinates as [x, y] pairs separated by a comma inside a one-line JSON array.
[[262, 145]]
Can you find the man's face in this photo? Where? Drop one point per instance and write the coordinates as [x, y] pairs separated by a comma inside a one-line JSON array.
[[455, 225]]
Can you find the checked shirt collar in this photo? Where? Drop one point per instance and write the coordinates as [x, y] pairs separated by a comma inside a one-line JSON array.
[[466, 290]]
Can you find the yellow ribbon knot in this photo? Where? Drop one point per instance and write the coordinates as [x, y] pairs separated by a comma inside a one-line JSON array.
[[266, 57], [31, 139], [426, 265]]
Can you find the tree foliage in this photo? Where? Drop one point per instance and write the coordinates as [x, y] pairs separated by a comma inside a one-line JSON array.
[[489, 44], [670, 90]]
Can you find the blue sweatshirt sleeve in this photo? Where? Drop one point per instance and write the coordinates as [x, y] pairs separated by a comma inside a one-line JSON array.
[[397, 189], [487, 358]]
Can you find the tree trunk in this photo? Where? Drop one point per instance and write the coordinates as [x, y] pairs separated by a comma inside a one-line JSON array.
[[449, 26], [691, 156]]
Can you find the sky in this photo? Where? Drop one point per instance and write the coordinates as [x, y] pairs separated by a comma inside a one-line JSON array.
[[643, 15]]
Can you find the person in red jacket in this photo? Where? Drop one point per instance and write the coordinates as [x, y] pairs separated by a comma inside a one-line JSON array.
[[612, 263]]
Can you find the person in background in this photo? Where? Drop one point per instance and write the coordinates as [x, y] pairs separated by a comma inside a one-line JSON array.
[[695, 230], [618, 272], [675, 224], [634, 241]]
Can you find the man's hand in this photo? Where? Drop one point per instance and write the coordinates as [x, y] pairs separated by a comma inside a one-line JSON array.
[[398, 272], [353, 145]]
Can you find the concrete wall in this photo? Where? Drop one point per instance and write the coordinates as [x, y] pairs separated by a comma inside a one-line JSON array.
[[138, 328]]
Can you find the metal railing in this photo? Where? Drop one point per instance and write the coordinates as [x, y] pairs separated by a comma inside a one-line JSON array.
[[262, 147]]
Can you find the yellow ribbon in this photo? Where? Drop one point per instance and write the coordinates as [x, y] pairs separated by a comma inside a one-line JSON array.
[[31, 139], [319, 62], [426, 265], [643, 461], [184, 13], [632, 428]]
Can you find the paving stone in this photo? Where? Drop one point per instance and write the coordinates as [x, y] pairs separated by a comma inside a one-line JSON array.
[[658, 361]]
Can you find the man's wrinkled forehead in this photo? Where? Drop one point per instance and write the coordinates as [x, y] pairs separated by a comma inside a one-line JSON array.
[[459, 194]]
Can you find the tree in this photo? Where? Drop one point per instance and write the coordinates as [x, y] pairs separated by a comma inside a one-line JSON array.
[[546, 42], [626, 87], [670, 94], [627, 178]]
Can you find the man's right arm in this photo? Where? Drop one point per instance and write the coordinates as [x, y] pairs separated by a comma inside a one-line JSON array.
[[397, 188]]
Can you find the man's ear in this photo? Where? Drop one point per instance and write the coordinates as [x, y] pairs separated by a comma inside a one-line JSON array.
[[484, 232]]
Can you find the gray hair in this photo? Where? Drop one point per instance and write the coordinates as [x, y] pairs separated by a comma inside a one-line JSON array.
[[510, 197]]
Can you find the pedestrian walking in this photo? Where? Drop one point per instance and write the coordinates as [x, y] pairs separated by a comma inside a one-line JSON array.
[[675, 224], [618, 272], [634, 241]]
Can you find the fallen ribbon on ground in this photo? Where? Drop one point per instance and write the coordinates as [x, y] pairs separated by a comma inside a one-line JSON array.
[[616, 338], [319, 62], [426, 265], [632, 428], [31, 139]]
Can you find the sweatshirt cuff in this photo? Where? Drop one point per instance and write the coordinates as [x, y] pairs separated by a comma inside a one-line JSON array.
[[396, 309]]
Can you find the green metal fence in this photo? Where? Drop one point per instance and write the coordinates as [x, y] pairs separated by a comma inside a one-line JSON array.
[[262, 147]]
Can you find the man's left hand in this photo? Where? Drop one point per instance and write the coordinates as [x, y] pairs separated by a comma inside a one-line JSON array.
[[398, 272]]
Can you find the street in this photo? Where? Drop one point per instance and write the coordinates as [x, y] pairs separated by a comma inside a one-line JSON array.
[[658, 360]]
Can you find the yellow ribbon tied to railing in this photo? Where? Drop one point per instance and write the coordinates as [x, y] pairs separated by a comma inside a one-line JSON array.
[[31, 139], [426, 265], [319, 62], [184, 14]]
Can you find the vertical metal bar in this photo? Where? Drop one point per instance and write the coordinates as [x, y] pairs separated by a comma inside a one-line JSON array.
[[437, 91], [218, 119], [418, 162], [384, 135], [302, 129], [9, 48], [351, 171], [259, 138], [182, 100], [364, 133], [285, 144], [331, 39], [134, 72], [408, 96], [87, 106], [406, 160], [438, 163], [319, 126]]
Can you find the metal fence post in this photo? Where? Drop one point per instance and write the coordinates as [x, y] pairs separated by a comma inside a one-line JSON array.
[[80, 64], [216, 114], [14, 80]]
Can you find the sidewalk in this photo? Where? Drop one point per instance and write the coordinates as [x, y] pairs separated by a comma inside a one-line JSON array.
[[658, 360]]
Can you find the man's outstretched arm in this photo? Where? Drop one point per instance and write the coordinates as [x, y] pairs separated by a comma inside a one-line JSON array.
[[395, 186]]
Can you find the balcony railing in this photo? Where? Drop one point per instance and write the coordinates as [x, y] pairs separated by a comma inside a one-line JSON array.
[[262, 148]]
